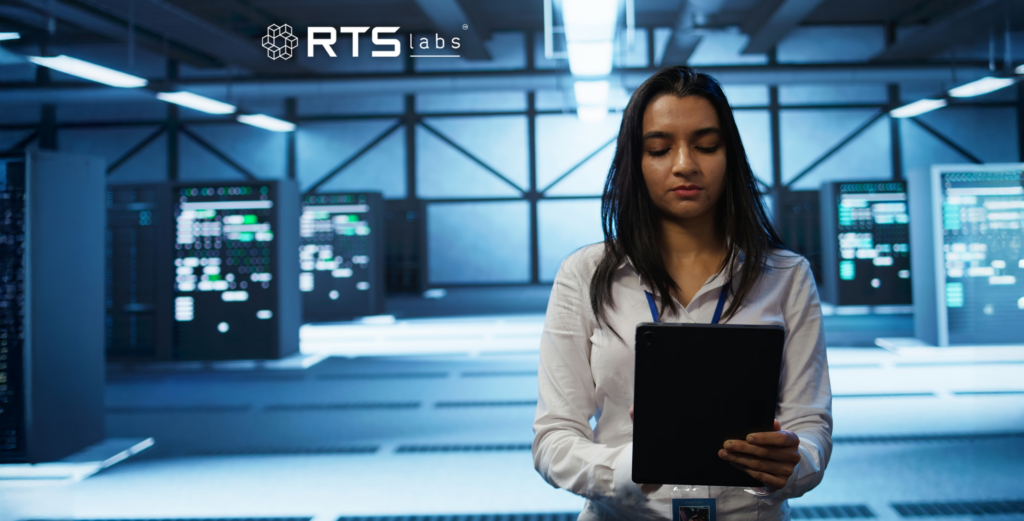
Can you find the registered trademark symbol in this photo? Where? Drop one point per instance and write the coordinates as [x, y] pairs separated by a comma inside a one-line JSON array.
[[465, 27]]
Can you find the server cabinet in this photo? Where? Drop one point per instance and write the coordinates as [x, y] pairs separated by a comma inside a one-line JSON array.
[[51, 310], [341, 256]]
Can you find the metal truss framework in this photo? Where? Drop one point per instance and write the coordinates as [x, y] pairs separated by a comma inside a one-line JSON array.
[[173, 127]]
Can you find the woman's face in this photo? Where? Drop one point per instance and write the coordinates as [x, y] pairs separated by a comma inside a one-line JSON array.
[[683, 155]]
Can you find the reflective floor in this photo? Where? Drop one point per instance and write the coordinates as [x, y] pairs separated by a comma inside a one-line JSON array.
[[415, 434]]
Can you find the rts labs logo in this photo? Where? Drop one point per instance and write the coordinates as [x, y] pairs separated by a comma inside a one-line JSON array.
[[279, 42]]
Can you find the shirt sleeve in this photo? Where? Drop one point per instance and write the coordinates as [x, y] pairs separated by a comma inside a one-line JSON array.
[[564, 451], [805, 392]]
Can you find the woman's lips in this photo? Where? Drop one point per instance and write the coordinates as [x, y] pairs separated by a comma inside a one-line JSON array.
[[687, 191]]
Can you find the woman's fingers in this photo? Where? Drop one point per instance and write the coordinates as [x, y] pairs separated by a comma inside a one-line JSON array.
[[768, 479], [778, 438], [649, 488], [630, 413], [746, 448], [786, 454], [768, 466]]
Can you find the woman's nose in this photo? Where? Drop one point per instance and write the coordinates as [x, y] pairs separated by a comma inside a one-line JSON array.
[[684, 163]]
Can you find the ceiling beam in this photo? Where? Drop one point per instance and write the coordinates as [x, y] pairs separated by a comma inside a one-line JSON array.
[[771, 20], [684, 40], [451, 19], [938, 35], [318, 86], [20, 19], [109, 27], [161, 17]]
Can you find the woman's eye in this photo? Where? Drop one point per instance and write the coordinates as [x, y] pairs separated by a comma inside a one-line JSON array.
[[657, 153], [708, 150]]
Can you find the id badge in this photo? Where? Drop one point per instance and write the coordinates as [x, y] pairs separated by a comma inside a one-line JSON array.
[[694, 509]]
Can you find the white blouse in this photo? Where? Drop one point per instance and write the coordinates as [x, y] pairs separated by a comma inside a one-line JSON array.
[[586, 372]]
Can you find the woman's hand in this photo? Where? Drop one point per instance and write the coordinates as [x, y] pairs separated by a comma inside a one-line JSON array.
[[646, 489], [767, 456]]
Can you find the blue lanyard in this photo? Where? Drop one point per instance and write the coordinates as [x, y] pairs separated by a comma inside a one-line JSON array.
[[718, 308]]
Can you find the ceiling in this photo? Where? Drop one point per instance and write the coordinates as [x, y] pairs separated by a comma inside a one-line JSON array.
[[217, 33]]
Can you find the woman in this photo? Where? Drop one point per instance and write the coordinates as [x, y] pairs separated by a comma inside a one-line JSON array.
[[682, 219]]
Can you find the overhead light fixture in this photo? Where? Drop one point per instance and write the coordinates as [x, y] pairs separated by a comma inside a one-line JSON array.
[[196, 102], [9, 36], [266, 122], [591, 100], [589, 35], [917, 108], [591, 114], [590, 58], [1019, 69], [591, 92], [980, 87], [589, 19], [89, 71]]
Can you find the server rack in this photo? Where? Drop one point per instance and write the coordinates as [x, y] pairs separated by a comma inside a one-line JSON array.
[[342, 256], [235, 288], [139, 281], [51, 310], [865, 238], [969, 254], [405, 247]]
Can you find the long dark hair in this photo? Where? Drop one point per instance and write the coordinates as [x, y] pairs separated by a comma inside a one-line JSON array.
[[629, 217]]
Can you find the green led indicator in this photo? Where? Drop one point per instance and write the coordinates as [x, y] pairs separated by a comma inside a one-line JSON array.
[[249, 219], [955, 294], [951, 216], [213, 278], [847, 270], [245, 236]]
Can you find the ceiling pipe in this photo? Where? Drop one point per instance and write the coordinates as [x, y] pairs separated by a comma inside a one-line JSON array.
[[418, 83]]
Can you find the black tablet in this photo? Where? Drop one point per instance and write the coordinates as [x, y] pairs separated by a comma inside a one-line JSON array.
[[695, 387]]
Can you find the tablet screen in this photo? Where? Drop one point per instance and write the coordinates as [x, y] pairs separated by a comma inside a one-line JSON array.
[[696, 386]]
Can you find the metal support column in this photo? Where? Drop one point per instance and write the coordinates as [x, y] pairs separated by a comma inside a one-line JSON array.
[[779, 190], [894, 101], [1020, 120], [47, 130], [410, 146], [172, 127], [291, 115], [894, 131], [533, 196], [48, 127]]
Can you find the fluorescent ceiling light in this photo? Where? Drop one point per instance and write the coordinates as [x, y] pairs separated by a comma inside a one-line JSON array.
[[1019, 69], [590, 58], [591, 114], [9, 36], [89, 71], [589, 33], [982, 86], [591, 92], [589, 20], [197, 102], [266, 122], [917, 108]]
